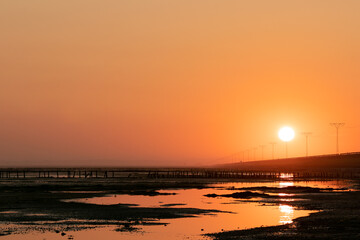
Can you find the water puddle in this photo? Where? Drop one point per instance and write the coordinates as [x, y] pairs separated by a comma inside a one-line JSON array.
[[8, 212]]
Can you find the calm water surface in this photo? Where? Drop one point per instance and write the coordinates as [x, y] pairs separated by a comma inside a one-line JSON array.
[[236, 214]]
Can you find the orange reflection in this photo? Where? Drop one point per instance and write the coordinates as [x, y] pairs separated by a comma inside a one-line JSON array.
[[285, 195], [286, 184], [287, 213], [286, 175], [234, 215]]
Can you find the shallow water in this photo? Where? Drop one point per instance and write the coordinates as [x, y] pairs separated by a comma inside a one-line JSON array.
[[235, 214]]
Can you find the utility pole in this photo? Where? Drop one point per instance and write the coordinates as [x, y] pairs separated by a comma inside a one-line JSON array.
[[262, 151], [307, 134], [248, 154], [255, 153], [337, 125], [273, 149]]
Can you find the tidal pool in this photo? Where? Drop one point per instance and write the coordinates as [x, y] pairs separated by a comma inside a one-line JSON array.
[[235, 214]]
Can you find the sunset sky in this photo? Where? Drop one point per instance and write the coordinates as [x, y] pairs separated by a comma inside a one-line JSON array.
[[175, 82]]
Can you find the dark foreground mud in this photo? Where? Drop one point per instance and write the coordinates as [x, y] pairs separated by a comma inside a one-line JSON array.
[[338, 218]]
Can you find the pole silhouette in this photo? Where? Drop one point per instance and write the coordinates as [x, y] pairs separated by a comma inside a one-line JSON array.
[[307, 134], [273, 149], [262, 151], [337, 125]]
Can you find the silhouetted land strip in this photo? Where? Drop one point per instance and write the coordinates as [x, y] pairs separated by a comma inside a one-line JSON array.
[[244, 195], [324, 166], [246, 171], [259, 192], [289, 189], [331, 162]]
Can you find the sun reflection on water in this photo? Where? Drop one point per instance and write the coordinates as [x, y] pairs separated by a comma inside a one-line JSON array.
[[286, 184], [286, 175], [287, 213]]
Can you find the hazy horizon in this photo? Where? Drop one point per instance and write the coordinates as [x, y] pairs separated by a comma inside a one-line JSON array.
[[175, 83]]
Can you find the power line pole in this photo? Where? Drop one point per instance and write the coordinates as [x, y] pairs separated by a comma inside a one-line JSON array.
[[255, 148], [262, 151], [233, 157], [307, 134], [273, 149], [238, 156], [337, 125]]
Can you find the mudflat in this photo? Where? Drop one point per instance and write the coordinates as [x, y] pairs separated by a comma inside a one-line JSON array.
[[31, 204], [338, 217], [34, 202]]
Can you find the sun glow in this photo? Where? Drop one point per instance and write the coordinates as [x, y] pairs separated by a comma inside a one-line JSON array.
[[286, 134]]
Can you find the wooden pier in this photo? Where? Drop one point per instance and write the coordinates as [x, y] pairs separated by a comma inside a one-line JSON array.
[[174, 173]]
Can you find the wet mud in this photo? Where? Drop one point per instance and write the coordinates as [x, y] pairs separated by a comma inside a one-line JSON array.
[[27, 205], [338, 216]]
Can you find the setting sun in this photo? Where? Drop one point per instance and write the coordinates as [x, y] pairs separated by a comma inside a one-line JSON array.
[[286, 134]]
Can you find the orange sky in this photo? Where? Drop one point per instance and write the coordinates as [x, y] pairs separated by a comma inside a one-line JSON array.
[[181, 82]]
